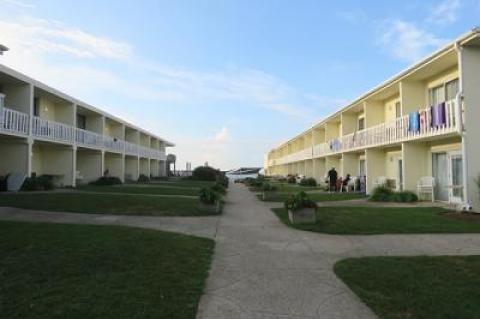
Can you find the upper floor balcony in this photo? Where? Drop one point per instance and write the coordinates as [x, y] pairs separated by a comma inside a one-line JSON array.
[[21, 124], [431, 122]]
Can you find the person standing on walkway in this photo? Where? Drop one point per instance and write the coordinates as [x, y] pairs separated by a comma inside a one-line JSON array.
[[332, 177]]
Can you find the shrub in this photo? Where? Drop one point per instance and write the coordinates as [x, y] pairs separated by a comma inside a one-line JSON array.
[[143, 179], [405, 197], [310, 182], [106, 181], [208, 196], [267, 187], [255, 182], [381, 194], [384, 194], [291, 179], [41, 183], [219, 188], [223, 180], [299, 201], [205, 173]]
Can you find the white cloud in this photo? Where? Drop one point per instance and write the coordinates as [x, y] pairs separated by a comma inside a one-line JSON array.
[[405, 41], [445, 13], [47, 36], [104, 71], [222, 135], [18, 3]]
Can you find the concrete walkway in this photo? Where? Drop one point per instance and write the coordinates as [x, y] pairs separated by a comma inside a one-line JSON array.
[[263, 269], [198, 226]]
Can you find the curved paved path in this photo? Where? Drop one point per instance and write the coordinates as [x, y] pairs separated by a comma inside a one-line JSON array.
[[198, 226], [263, 269]]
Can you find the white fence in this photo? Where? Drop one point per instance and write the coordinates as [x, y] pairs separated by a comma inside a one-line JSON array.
[[392, 132], [12, 121], [18, 123]]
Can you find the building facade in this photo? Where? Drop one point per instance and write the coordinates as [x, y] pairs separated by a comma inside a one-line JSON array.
[[46, 132], [423, 122]]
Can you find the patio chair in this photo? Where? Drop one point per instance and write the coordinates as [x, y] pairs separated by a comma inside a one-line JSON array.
[[380, 181], [353, 183], [426, 185]]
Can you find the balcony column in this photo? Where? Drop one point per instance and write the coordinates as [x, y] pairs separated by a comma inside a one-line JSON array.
[[469, 60], [415, 157], [350, 164], [29, 156], [74, 166], [319, 169], [102, 164], [309, 168], [375, 166]]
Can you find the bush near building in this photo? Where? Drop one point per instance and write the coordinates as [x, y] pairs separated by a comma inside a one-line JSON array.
[[385, 194]]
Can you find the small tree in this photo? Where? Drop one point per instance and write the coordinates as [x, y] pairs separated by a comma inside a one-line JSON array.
[[205, 173]]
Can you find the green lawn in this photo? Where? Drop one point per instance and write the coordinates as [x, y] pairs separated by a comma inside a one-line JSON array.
[[415, 287], [142, 189], [182, 183], [120, 204], [84, 271], [318, 197], [381, 220]]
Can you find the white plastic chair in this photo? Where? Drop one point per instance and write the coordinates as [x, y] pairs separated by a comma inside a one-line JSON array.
[[352, 183], [380, 181], [426, 185]]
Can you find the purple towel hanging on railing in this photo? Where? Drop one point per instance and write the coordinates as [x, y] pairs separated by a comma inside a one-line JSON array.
[[438, 115]]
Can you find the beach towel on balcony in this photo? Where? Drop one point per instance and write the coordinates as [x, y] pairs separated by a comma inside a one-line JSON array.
[[438, 115], [413, 122], [423, 120]]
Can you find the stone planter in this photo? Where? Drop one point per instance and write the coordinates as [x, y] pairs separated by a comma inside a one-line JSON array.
[[303, 216], [214, 208]]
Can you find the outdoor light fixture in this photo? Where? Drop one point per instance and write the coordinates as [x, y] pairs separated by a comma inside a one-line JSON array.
[[3, 49]]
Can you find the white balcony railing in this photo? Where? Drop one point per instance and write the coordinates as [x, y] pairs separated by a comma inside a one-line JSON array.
[[51, 130], [88, 138], [113, 144], [12, 121], [131, 149], [392, 132]]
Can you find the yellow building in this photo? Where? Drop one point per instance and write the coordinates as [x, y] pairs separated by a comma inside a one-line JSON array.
[[422, 123], [46, 132]]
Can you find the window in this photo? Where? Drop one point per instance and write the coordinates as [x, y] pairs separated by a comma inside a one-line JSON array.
[[81, 121], [444, 92], [36, 106], [361, 123], [398, 110], [451, 90], [437, 95]]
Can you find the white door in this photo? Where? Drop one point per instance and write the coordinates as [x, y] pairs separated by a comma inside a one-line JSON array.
[[455, 177]]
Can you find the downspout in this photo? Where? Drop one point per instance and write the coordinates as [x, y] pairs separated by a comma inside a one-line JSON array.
[[460, 128], [2, 104]]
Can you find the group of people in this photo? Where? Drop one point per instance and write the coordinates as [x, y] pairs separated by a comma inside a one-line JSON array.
[[338, 184]]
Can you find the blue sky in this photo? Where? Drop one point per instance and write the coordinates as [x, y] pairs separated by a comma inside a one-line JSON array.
[[224, 80]]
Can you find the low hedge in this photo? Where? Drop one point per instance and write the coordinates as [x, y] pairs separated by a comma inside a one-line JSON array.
[[106, 181], [385, 194]]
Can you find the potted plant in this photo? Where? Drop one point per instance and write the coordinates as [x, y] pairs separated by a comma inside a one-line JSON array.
[[209, 199], [301, 209], [266, 189]]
